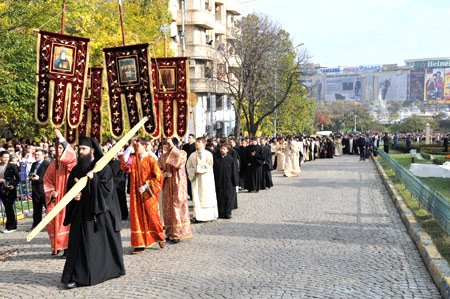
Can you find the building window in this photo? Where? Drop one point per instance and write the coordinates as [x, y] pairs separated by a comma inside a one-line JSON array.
[[229, 104], [207, 5], [208, 103], [219, 103]]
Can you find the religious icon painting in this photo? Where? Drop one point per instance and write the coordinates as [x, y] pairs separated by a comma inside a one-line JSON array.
[[62, 59], [129, 88], [62, 63], [170, 77], [166, 79], [127, 67]]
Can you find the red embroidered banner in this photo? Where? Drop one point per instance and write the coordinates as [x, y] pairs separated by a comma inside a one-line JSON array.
[[129, 87], [60, 78], [170, 76], [92, 119]]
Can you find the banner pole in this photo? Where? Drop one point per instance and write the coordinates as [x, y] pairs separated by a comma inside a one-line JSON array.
[[122, 25]]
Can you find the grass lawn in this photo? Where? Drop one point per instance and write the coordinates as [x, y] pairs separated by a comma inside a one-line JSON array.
[[440, 185], [439, 236]]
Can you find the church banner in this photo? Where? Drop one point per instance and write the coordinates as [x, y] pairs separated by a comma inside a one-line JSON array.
[[91, 123], [129, 88], [62, 62], [170, 86]]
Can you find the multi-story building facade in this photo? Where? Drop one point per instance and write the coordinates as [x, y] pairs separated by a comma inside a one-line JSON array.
[[425, 81], [200, 28]]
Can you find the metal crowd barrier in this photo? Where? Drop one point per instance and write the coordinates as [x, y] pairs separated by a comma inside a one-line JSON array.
[[432, 201]]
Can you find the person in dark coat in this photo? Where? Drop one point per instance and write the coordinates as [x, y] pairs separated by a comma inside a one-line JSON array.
[[9, 179], [120, 185], [37, 172], [266, 177], [446, 143], [408, 143], [233, 152], [226, 180], [386, 143], [189, 148], [254, 160], [361, 144], [95, 246], [243, 163]]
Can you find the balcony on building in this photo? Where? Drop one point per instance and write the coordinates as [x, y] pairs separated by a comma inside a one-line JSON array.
[[233, 7], [201, 18], [200, 51]]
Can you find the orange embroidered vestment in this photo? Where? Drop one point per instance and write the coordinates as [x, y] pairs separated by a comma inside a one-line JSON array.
[[145, 223]]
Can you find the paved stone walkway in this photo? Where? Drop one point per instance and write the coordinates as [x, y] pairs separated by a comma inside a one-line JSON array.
[[331, 233]]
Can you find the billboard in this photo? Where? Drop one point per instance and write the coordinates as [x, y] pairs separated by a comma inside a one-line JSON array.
[[434, 84], [416, 85], [343, 88], [447, 85], [393, 87]]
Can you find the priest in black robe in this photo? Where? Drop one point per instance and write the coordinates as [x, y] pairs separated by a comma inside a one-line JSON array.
[[95, 246], [189, 148], [266, 176], [254, 161], [120, 184], [226, 180]]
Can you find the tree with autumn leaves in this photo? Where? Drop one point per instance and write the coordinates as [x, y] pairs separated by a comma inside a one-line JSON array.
[[96, 19]]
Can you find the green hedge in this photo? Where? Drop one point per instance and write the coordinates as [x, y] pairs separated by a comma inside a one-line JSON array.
[[435, 149], [426, 156], [439, 161]]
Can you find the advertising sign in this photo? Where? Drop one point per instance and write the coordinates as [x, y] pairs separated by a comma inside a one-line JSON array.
[[434, 84], [416, 85], [343, 88], [393, 88]]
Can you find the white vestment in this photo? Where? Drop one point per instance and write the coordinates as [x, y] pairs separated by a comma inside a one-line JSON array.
[[292, 162], [199, 167]]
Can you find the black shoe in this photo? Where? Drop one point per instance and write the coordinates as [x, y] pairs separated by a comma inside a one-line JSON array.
[[174, 241], [54, 254], [228, 217], [71, 285], [30, 229], [64, 254]]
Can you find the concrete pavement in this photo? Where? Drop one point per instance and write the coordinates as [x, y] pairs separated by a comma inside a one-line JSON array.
[[333, 232]]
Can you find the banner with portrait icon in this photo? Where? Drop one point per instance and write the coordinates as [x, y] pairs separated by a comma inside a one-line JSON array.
[[170, 77], [92, 119], [129, 88], [62, 63]]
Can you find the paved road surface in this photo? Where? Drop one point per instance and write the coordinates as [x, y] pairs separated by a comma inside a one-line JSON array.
[[331, 233]]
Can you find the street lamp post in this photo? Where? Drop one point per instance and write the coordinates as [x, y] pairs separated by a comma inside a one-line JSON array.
[[275, 103]]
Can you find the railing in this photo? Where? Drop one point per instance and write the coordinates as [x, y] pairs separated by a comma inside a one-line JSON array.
[[432, 201]]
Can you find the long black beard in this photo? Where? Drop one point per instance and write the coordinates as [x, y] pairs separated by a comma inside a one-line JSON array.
[[84, 162]]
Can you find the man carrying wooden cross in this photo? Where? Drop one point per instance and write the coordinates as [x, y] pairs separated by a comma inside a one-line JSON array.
[[95, 247]]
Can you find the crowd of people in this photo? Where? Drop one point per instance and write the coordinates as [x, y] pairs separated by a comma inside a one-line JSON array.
[[208, 171]]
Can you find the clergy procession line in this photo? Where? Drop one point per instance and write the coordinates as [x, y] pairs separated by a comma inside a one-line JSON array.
[[208, 171]]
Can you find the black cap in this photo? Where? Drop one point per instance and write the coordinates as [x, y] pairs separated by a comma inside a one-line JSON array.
[[92, 143]]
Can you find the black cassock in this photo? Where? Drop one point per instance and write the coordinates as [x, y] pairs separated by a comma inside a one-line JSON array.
[[253, 172], [95, 246], [120, 184], [237, 161], [225, 178], [266, 177]]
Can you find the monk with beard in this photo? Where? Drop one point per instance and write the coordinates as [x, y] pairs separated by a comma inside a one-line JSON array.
[[95, 252]]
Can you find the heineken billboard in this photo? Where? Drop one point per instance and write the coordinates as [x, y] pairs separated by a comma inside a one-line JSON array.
[[428, 64]]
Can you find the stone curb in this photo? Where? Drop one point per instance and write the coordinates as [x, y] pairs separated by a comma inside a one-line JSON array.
[[436, 265]]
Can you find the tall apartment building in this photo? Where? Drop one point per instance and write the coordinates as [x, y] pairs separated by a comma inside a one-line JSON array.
[[207, 27]]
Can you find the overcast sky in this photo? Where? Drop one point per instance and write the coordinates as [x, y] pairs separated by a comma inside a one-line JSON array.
[[362, 32]]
